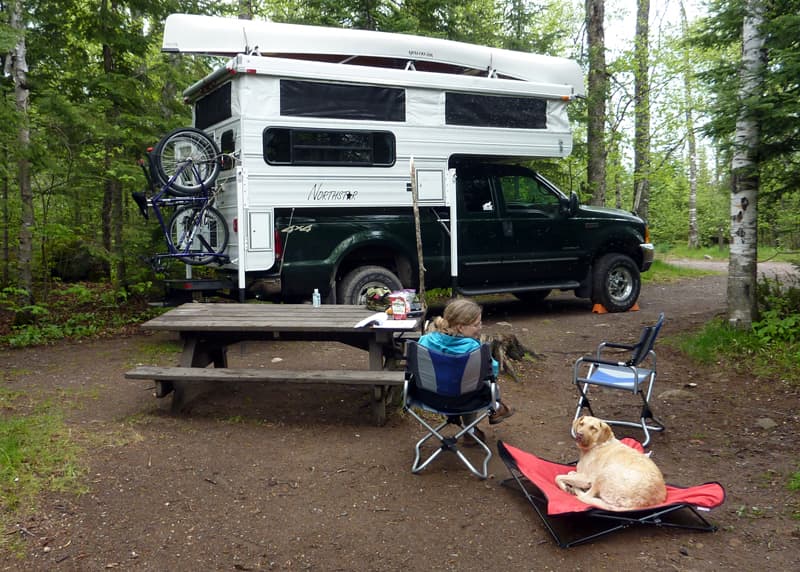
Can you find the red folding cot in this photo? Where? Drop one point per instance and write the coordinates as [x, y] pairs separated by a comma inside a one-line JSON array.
[[572, 522]]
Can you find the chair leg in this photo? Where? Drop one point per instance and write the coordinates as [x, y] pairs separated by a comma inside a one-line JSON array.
[[450, 444]]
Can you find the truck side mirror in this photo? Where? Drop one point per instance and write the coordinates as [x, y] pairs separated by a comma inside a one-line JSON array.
[[570, 206]]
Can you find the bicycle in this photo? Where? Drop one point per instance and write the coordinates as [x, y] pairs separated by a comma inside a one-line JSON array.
[[180, 173]]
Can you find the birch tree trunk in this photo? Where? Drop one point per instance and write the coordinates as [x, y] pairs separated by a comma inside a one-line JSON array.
[[17, 65], [694, 241], [742, 310], [596, 102], [641, 145]]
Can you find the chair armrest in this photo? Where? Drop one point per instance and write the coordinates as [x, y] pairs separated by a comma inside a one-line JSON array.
[[587, 359], [613, 345]]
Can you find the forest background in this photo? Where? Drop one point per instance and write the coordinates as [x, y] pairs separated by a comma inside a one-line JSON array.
[[86, 90]]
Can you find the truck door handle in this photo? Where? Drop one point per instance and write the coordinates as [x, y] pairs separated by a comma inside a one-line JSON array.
[[508, 228]]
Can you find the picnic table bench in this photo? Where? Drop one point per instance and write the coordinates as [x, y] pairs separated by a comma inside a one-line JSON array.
[[208, 330]]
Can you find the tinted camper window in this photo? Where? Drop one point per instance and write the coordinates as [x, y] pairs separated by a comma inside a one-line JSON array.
[[213, 108], [338, 101], [495, 111], [284, 146]]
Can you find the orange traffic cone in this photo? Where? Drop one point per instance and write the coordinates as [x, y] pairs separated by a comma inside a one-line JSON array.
[[600, 309]]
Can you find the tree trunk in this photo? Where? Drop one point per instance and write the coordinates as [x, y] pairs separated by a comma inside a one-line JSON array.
[[641, 145], [742, 310], [105, 215], [596, 102], [6, 280], [19, 71], [245, 10], [694, 241]]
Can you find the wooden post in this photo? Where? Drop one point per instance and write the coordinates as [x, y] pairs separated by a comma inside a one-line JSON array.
[[418, 231]]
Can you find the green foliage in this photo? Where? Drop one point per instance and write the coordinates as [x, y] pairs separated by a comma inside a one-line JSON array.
[[770, 349], [779, 305], [75, 311]]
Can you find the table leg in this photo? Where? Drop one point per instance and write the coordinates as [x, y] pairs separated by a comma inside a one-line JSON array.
[[379, 397], [196, 353]]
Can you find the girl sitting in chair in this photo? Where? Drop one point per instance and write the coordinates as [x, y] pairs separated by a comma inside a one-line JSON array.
[[457, 332]]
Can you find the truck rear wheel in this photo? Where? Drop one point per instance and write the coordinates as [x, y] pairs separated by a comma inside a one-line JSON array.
[[616, 282], [353, 289]]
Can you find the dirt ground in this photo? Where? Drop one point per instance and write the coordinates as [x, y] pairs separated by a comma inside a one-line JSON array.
[[271, 478]]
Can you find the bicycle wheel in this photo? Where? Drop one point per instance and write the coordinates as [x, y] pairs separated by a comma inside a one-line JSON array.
[[187, 160], [198, 234]]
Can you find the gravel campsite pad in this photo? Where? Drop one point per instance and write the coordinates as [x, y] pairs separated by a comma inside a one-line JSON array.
[[270, 478]]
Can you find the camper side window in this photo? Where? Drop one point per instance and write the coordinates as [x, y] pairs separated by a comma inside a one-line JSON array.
[[495, 111], [227, 145], [287, 146]]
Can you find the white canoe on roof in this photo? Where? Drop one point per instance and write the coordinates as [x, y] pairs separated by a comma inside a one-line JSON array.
[[212, 35]]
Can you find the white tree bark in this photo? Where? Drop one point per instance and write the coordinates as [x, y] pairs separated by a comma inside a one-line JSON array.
[[17, 66], [742, 278]]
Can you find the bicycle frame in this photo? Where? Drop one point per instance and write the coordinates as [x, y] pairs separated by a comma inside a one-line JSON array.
[[160, 199]]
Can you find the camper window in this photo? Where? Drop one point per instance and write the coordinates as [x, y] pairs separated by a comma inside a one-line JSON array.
[[328, 147], [213, 108], [495, 111], [341, 101], [227, 145]]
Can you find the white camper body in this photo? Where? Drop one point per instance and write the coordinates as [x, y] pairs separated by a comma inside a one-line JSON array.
[[394, 99]]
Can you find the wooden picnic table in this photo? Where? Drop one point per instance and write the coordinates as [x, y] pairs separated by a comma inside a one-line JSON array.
[[208, 330]]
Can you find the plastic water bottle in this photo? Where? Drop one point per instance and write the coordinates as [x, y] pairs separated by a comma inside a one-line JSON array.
[[316, 299]]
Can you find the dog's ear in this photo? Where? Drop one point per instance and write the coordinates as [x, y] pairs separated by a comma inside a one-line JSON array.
[[605, 432]]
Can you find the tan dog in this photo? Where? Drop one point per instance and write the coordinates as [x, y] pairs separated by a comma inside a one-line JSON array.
[[610, 475]]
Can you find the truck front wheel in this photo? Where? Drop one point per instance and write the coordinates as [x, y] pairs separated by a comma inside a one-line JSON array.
[[353, 288], [616, 282]]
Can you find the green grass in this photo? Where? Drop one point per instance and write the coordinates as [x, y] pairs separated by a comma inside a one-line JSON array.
[[37, 453], [741, 350], [154, 352], [662, 271], [714, 253]]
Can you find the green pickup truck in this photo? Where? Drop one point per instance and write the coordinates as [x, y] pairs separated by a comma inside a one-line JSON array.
[[516, 232]]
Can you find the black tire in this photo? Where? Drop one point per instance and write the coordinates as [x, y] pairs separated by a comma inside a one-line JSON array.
[[211, 238], [191, 157], [353, 288], [532, 296], [616, 282]]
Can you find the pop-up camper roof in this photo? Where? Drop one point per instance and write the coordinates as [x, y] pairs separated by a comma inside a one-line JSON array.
[[216, 36]]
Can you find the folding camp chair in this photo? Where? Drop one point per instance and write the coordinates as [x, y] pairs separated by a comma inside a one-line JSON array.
[[571, 522], [454, 386], [637, 375]]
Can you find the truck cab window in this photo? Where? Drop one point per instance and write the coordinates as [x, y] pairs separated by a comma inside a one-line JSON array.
[[527, 194]]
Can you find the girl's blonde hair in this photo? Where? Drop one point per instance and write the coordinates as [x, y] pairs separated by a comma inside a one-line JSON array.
[[458, 312]]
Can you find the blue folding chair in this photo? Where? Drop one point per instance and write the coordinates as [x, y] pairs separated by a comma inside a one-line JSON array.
[[636, 375], [454, 386]]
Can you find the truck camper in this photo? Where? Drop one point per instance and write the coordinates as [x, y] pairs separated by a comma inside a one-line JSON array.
[[330, 135]]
